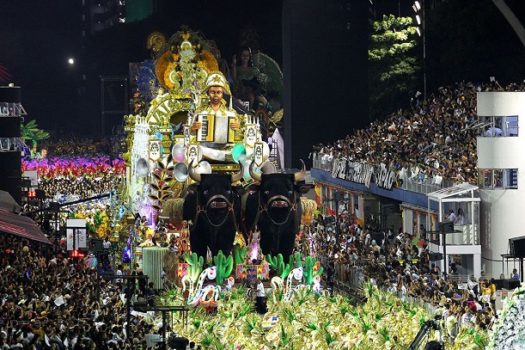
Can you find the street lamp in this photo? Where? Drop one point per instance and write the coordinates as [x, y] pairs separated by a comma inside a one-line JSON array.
[[419, 8]]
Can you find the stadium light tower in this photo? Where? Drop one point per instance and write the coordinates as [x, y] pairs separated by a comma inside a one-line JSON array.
[[419, 10]]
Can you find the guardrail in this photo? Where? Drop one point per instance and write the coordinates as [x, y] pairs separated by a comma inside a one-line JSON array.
[[420, 183]]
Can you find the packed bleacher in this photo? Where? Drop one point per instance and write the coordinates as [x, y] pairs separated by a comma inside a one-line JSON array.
[[436, 137], [78, 177]]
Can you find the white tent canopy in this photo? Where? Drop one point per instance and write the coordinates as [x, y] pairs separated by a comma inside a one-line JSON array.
[[456, 190], [465, 239]]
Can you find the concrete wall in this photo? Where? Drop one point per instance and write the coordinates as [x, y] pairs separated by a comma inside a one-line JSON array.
[[503, 210]]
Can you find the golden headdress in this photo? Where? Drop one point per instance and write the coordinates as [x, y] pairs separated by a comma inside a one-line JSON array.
[[217, 79]]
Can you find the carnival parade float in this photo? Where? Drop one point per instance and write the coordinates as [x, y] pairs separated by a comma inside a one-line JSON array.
[[191, 156]]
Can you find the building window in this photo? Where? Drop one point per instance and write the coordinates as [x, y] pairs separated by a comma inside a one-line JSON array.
[[498, 178], [497, 126]]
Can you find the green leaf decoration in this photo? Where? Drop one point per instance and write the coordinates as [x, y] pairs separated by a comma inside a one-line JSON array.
[[195, 265], [239, 254], [298, 260], [276, 263], [224, 267], [308, 271], [31, 133]]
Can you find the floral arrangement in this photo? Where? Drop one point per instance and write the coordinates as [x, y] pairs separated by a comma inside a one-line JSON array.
[[309, 321], [75, 166], [508, 331]]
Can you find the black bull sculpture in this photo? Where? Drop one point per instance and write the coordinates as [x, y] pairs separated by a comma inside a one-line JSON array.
[[272, 205], [275, 207], [213, 206]]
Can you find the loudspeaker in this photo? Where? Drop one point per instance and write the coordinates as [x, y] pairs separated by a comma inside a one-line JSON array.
[[517, 247], [325, 60], [11, 174]]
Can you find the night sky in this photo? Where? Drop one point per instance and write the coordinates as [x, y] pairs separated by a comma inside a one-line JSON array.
[[38, 37], [467, 39]]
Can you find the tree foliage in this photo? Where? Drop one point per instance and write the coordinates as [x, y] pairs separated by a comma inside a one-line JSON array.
[[31, 132], [393, 64]]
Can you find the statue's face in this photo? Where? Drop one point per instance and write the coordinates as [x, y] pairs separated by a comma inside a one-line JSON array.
[[215, 93], [245, 57]]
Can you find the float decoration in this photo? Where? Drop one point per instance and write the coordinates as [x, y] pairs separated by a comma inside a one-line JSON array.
[[278, 265], [298, 260], [203, 294], [508, 331], [162, 183], [195, 264], [287, 290], [311, 270], [224, 267], [186, 69], [239, 254]]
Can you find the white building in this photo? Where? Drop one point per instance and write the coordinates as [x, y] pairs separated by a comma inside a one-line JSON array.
[[501, 165]]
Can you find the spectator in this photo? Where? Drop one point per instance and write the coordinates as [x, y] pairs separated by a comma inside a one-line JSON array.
[[451, 217], [150, 294], [260, 297]]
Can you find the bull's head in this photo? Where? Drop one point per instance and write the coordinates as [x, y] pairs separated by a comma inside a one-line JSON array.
[[279, 193], [215, 194]]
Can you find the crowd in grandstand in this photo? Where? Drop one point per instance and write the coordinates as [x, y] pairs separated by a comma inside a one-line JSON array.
[[77, 146], [48, 301], [435, 137], [401, 263], [71, 187], [76, 176]]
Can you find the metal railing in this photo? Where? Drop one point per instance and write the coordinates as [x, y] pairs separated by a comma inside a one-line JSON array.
[[350, 278], [464, 235], [421, 183]]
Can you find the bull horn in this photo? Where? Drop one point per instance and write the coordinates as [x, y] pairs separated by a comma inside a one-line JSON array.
[[300, 175], [268, 168], [238, 175], [253, 174], [194, 175]]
